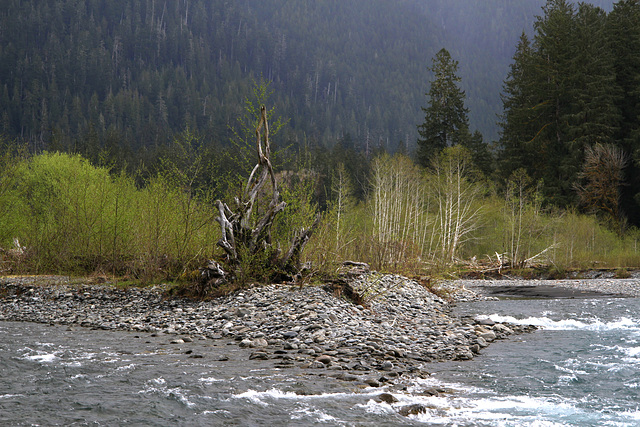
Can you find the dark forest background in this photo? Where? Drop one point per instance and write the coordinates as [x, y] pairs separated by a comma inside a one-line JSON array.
[[165, 93], [125, 76]]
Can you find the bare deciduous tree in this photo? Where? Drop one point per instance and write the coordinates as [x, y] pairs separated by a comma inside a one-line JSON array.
[[456, 197], [399, 210], [602, 174]]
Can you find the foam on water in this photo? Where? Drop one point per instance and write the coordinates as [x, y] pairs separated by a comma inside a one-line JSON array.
[[312, 414], [489, 410], [276, 394], [42, 358], [623, 323], [211, 380], [159, 386]]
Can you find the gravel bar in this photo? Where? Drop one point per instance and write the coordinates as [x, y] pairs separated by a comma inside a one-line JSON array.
[[565, 288], [400, 329]]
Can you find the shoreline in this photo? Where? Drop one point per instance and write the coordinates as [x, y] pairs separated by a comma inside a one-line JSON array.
[[553, 288], [404, 328]]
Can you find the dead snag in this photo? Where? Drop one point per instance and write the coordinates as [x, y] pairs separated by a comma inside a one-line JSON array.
[[243, 236]]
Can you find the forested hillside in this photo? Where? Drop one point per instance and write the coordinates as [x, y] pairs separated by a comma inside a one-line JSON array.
[[422, 132], [85, 76]]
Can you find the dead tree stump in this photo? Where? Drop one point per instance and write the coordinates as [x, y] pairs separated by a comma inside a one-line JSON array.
[[243, 236]]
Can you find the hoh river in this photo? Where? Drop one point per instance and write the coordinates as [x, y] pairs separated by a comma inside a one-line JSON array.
[[89, 355]]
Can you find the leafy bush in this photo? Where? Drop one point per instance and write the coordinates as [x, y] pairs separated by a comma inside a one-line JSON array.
[[76, 218]]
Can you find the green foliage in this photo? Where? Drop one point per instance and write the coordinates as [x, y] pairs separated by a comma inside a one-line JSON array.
[[395, 231], [296, 191], [568, 91], [76, 218]]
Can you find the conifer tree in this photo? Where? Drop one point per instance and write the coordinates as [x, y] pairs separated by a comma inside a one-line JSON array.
[[596, 118], [553, 78], [623, 34], [559, 98], [446, 118], [518, 119]]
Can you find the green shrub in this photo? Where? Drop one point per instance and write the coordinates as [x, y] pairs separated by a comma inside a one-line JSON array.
[[76, 218]]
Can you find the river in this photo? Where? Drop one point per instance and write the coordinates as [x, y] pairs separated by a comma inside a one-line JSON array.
[[581, 369]]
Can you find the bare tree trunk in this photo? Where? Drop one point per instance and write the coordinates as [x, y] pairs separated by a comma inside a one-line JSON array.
[[242, 235]]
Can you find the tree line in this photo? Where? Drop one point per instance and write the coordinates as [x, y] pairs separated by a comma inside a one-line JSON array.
[[567, 143], [572, 109]]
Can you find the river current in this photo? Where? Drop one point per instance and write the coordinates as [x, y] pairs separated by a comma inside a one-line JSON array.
[[581, 369]]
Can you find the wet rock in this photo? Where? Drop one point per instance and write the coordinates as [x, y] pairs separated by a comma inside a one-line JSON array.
[[259, 355], [485, 322], [386, 398], [372, 382], [481, 342], [415, 409]]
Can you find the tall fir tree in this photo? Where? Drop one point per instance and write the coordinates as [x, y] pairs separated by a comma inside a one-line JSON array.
[[559, 98], [594, 117], [481, 155], [518, 121], [623, 35], [446, 120], [555, 49]]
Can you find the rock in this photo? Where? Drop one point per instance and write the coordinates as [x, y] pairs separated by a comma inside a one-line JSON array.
[[386, 365], [432, 391], [317, 365], [463, 354], [246, 343], [325, 359], [290, 346], [485, 321], [372, 382], [290, 334], [260, 342], [415, 409], [488, 336], [261, 355], [499, 327], [386, 398]]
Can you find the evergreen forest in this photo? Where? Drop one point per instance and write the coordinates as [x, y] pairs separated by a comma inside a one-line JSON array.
[[425, 134]]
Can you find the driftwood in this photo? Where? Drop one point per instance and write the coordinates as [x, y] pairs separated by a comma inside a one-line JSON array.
[[242, 235]]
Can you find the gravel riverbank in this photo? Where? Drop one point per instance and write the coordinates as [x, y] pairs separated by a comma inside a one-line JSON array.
[[566, 288], [403, 327]]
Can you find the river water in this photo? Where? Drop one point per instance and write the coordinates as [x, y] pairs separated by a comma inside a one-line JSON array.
[[581, 369]]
